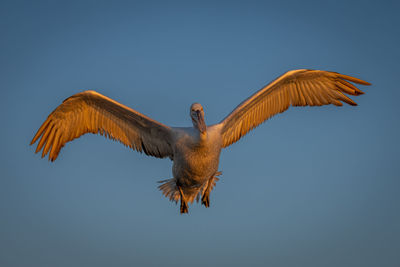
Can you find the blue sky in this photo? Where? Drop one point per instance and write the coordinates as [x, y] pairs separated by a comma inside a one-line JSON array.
[[310, 187]]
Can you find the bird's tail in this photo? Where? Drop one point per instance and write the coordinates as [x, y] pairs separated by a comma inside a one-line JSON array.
[[170, 190]]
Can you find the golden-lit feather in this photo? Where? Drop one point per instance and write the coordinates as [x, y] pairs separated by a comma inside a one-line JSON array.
[[297, 88], [91, 112]]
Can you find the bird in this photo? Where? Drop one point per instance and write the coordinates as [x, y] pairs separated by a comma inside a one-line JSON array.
[[194, 151]]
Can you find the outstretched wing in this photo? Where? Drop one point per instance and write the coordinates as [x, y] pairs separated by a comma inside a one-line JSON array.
[[297, 88], [91, 112]]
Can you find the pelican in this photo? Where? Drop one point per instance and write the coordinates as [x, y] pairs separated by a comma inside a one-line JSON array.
[[195, 151]]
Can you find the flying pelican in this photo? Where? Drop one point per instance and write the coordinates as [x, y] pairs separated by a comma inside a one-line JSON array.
[[194, 150]]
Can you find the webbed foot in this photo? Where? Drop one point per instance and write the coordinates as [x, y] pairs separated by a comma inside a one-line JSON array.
[[184, 205], [205, 200]]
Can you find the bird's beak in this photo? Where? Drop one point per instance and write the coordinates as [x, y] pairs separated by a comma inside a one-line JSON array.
[[201, 124]]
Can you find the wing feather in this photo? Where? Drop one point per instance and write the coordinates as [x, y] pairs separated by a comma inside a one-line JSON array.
[[294, 88], [91, 112]]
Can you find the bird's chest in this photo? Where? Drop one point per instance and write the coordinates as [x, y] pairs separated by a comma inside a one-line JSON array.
[[195, 162]]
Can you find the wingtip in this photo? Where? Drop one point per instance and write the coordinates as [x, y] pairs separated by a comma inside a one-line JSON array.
[[354, 80], [359, 93], [37, 150], [367, 83], [34, 139]]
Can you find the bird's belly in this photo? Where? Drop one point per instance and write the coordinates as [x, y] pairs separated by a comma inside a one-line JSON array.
[[194, 168]]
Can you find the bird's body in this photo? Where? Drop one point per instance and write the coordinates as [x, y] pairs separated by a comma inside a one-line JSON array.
[[195, 156], [195, 151], [196, 159]]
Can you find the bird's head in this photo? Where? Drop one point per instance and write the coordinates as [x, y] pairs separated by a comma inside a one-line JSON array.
[[197, 115]]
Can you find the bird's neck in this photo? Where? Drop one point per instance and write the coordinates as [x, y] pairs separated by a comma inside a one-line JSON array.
[[200, 140], [202, 136]]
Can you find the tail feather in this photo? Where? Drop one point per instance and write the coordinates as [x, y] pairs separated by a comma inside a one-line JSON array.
[[170, 190]]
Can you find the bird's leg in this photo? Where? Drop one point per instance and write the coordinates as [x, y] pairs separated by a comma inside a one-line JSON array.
[[205, 199], [184, 206]]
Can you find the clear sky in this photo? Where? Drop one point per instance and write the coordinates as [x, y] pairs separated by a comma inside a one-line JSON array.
[[311, 187]]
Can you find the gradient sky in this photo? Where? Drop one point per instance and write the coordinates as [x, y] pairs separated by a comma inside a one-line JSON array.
[[311, 187]]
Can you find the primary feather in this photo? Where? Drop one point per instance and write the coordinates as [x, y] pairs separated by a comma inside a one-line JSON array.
[[294, 88], [91, 112]]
